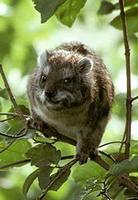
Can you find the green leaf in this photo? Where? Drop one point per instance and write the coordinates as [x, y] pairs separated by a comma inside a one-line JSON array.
[[130, 2], [29, 180], [44, 176], [130, 193], [16, 125], [60, 180], [132, 18], [53, 182], [23, 109], [91, 185], [126, 166], [47, 8], [115, 189], [106, 7], [68, 11], [4, 93], [15, 152], [43, 155], [89, 170]]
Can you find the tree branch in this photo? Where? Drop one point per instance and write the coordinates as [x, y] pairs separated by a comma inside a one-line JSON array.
[[127, 132], [133, 99], [12, 98]]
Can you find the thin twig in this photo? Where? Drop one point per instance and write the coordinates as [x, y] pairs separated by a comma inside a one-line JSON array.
[[13, 114], [9, 136], [9, 113], [7, 119], [108, 143], [107, 155], [19, 135], [26, 161], [127, 131], [67, 157], [122, 144], [133, 99], [9, 145], [12, 98]]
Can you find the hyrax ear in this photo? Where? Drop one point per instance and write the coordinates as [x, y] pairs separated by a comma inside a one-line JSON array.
[[85, 65], [42, 59]]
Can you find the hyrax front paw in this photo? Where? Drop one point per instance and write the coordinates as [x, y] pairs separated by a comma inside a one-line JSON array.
[[93, 154], [82, 157], [35, 124]]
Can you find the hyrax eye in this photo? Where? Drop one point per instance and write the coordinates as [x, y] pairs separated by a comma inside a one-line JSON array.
[[67, 81], [43, 78]]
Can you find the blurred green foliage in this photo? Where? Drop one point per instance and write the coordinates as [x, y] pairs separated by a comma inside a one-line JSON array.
[[22, 38]]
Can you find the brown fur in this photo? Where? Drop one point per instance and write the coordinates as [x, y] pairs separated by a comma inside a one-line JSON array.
[[79, 110]]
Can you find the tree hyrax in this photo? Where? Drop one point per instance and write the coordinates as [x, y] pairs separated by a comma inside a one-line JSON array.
[[72, 91]]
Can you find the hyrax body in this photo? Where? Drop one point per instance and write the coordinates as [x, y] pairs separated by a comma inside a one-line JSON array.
[[71, 91]]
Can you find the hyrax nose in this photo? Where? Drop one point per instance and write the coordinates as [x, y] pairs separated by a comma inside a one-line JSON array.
[[49, 94]]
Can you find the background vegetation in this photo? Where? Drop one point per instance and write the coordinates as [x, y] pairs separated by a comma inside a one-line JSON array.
[[22, 38]]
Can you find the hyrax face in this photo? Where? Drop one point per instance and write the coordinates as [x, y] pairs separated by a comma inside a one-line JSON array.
[[62, 79]]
